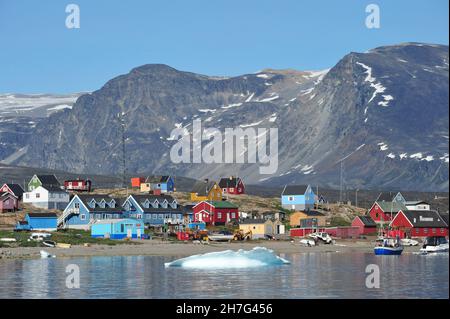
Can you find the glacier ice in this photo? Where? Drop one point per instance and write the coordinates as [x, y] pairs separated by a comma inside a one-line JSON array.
[[257, 257]]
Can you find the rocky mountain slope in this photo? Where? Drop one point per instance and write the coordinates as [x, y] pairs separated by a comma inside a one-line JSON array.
[[379, 119]]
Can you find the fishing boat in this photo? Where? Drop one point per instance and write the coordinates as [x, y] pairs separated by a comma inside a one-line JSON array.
[[390, 246], [8, 240], [45, 254], [222, 236], [434, 244]]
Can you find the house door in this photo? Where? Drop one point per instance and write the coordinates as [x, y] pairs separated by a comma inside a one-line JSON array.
[[128, 232], [138, 231]]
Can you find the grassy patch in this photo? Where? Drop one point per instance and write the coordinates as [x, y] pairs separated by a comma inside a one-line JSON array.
[[71, 236]]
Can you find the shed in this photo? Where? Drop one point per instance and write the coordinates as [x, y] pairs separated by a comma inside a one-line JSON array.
[[38, 221], [258, 227], [118, 228], [365, 224]]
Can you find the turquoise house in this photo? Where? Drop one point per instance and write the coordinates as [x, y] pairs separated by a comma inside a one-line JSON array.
[[117, 228], [38, 221], [298, 197]]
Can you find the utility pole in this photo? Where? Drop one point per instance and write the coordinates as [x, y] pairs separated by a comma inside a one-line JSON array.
[[341, 182], [356, 197], [124, 163]]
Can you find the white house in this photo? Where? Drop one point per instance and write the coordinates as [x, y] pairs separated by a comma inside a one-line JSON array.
[[48, 197], [417, 205]]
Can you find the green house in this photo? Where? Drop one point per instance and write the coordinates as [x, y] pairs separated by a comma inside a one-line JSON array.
[[42, 180]]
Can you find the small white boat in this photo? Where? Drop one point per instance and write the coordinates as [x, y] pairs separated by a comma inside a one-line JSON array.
[[409, 242], [49, 243], [8, 240], [307, 242], [45, 254], [434, 245]]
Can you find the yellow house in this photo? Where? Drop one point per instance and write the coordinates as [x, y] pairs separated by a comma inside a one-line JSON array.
[[295, 219], [206, 190], [261, 227]]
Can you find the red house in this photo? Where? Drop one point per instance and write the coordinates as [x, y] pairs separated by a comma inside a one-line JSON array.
[[8, 202], [232, 185], [382, 211], [80, 185], [420, 223], [137, 181], [14, 189], [215, 212], [365, 225]]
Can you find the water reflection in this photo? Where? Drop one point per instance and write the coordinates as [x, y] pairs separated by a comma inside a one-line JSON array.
[[310, 275]]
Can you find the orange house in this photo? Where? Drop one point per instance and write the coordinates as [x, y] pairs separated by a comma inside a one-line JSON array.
[[136, 181], [206, 191]]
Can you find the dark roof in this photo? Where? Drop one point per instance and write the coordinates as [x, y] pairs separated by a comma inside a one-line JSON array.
[[416, 202], [313, 213], [42, 215], [16, 189], [367, 221], [425, 218], [142, 198], [294, 189], [5, 194], [98, 198], [444, 217], [54, 188], [386, 196], [157, 179], [253, 221], [227, 182], [163, 210], [48, 180], [202, 188]]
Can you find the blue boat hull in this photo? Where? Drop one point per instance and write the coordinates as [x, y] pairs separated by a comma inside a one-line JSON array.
[[388, 250]]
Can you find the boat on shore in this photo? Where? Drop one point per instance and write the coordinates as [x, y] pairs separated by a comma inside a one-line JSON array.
[[434, 244], [389, 246]]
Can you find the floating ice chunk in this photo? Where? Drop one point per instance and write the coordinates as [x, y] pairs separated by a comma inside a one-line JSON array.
[[257, 257], [391, 155], [416, 155]]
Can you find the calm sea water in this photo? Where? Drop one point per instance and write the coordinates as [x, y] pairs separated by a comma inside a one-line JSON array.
[[310, 275]]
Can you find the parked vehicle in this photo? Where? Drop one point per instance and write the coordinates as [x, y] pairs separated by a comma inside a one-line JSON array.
[[325, 237], [40, 236]]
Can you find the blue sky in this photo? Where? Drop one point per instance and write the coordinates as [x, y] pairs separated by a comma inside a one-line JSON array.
[[220, 37]]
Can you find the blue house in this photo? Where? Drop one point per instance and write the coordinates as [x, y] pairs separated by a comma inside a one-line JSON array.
[[117, 228], [298, 197], [154, 210], [163, 184], [83, 210], [38, 221]]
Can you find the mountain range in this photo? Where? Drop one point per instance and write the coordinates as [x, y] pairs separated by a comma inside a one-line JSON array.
[[377, 119]]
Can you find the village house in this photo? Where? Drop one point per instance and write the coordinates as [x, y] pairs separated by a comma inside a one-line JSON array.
[[417, 205], [215, 212], [298, 197], [365, 224], [8, 202], [384, 211], [261, 228], [118, 229], [232, 185], [137, 181], [206, 191], [161, 184], [83, 210], [154, 210], [43, 180], [14, 189], [420, 223], [38, 221], [47, 197], [281, 216], [78, 185], [307, 218]]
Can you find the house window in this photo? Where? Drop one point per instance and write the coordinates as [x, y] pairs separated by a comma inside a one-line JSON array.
[[224, 190], [38, 195], [155, 216], [82, 217], [167, 216], [434, 230], [290, 198], [233, 215], [139, 216], [219, 215], [160, 216], [77, 205], [425, 230], [27, 196]]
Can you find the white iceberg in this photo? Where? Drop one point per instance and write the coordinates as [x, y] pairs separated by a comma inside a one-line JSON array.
[[257, 257]]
